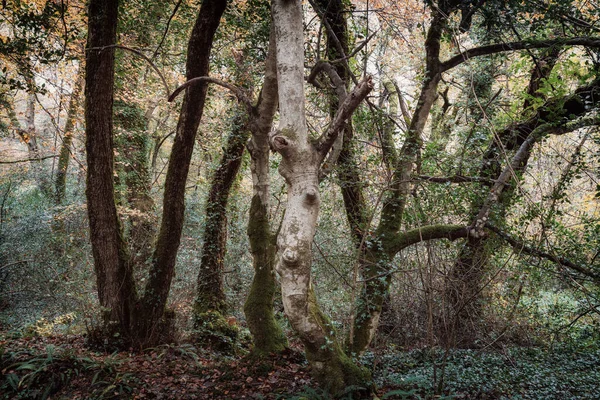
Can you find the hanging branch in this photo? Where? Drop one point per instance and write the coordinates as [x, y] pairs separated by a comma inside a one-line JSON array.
[[162, 40], [139, 53], [521, 246]]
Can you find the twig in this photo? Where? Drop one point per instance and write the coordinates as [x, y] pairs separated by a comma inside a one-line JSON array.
[[162, 40], [29, 159], [539, 253], [139, 53]]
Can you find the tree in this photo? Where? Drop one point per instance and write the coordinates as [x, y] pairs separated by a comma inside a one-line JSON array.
[[136, 318], [378, 247], [300, 165]]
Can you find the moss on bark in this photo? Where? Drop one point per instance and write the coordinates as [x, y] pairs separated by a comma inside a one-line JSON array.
[[335, 371], [213, 330], [266, 332]]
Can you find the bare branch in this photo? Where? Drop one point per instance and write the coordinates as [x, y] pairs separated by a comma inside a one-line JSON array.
[[162, 40], [29, 159], [356, 50], [513, 46], [344, 112], [520, 246], [139, 53], [238, 92], [453, 179], [337, 82]]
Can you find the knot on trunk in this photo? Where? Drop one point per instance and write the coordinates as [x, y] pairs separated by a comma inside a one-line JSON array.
[[282, 140], [311, 196], [290, 256]]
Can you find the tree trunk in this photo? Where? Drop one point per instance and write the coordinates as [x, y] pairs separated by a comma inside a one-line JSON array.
[[300, 167], [258, 308], [116, 289], [210, 292], [464, 283], [169, 237], [375, 259], [29, 137], [60, 182]]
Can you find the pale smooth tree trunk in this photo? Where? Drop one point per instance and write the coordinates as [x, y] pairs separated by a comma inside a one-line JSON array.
[[300, 166]]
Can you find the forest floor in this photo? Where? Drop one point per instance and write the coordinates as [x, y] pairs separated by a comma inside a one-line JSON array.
[[64, 367]]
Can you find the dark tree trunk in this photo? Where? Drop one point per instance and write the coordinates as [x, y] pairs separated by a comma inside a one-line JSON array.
[[465, 280], [169, 237], [116, 289], [210, 293]]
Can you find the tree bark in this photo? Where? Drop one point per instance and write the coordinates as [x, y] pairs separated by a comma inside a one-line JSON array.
[[258, 308], [169, 237], [300, 168], [210, 292], [60, 182], [116, 289]]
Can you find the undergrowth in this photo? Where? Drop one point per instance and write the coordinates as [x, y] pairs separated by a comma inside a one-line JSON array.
[[26, 375], [515, 373]]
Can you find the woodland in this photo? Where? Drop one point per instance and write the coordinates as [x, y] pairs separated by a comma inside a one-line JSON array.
[[286, 199]]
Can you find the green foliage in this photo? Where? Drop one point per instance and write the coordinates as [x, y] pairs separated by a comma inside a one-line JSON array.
[[39, 376], [44, 258], [311, 393], [38, 34], [523, 373]]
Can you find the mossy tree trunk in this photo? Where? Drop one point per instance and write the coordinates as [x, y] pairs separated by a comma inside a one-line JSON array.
[[258, 308], [137, 320], [210, 291], [64, 155], [387, 239], [162, 266], [133, 146], [465, 280]]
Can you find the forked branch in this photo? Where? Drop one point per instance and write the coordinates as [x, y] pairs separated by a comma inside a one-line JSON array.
[[348, 106]]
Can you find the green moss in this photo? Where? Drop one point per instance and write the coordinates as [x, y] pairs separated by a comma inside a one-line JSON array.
[[266, 332], [333, 369], [212, 329]]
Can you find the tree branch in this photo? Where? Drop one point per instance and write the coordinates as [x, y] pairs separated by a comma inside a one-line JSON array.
[[162, 40], [139, 53], [345, 110], [29, 159], [429, 232], [453, 179], [238, 92], [513, 46], [518, 158], [521, 246]]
